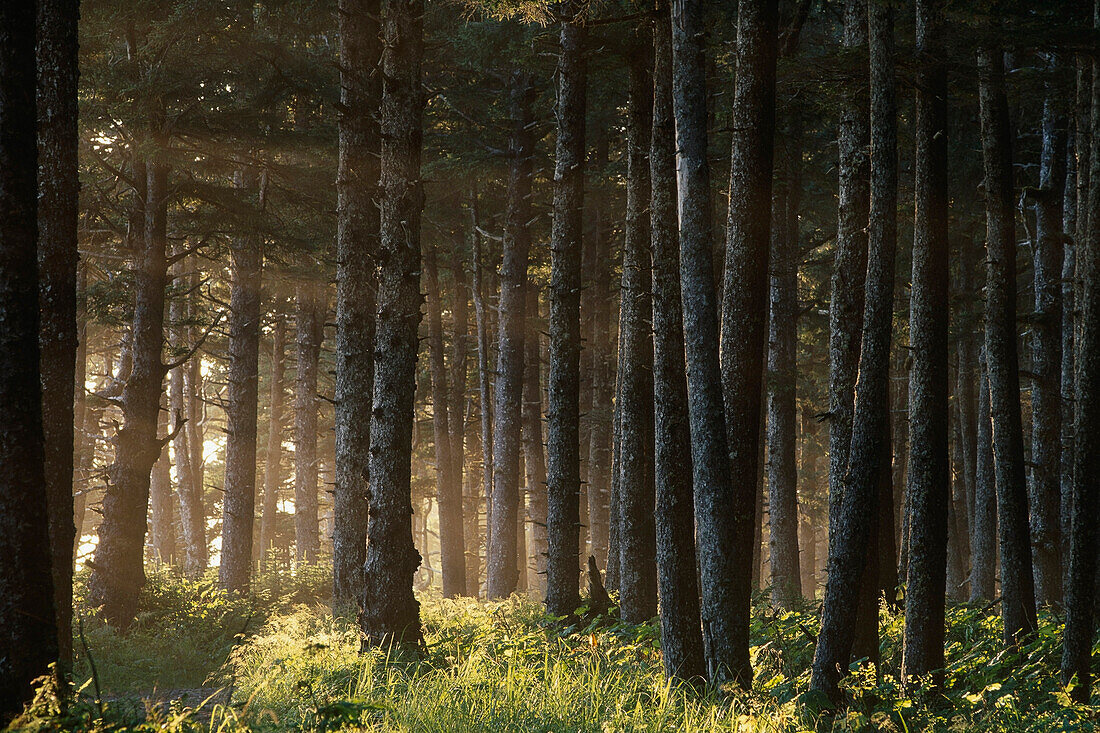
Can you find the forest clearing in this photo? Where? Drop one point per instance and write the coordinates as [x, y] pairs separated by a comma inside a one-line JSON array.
[[549, 365]]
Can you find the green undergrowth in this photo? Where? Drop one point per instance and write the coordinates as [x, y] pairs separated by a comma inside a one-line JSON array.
[[284, 662]]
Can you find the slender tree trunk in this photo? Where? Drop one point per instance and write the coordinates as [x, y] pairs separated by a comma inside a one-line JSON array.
[[391, 612], [162, 534], [563, 418], [983, 541], [1017, 583], [460, 345], [1081, 592], [188, 489], [783, 371], [117, 572], [637, 539], [929, 486], [677, 578], [357, 215], [502, 574], [58, 188], [534, 458], [309, 320], [27, 613], [1046, 360], [484, 357], [242, 399], [745, 307], [849, 267], [448, 485], [713, 487], [853, 565], [807, 535], [273, 456]]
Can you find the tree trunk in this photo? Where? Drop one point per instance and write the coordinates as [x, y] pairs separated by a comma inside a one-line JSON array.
[[983, 533], [1017, 583], [484, 380], [59, 188], [273, 455], [563, 418], [502, 573], [309, 320], [162, 533], [117, 572], [460, 345], [188, 489], [783, 371], [1046, 360], [27, 617], [849, 267], [710, 458], [1081, 592], [448, 485], [637, 539], [391, 613], [853, 564], [745, 308], [534, 458], [242, 398], [357, 180], [929, 483], [677, 577]]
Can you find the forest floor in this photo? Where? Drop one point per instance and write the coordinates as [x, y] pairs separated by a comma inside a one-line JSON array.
[[196, 660]]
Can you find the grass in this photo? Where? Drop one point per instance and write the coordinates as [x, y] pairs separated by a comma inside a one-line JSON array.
[[290, 664]]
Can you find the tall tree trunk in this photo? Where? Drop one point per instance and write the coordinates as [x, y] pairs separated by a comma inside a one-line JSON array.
[[1081, 592], [58, 188], [162, 534], [502, 573], [273, 455], [460, 348], [484, 378], [809, 429], [745, 306], [242, 398], [357, 214], [637, 539], [188, 489], [929, 485], [309, 320], [534, 458], [983, 533], [677, 577], [117, 572], [849, 266], [27, 615], [853, 563], [391, 612], [713, 487], [783, 371], [1017, 583], [1046, 359], [563, 418], [448, 485]]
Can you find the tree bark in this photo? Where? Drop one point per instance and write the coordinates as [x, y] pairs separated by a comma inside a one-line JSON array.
[[59, 189], [357, 214], [534, 458], [309, 322], [448, 485], [242, 398], [162, 533], [1017, 583], [117, 572], [853, 564], [1046, 360], [677, 577], [745, 308], [460, 347], [563, 418], [188, 488], [273, 455], [1081, 591], [502, 571], [983, 541], [390, 611], [713, 487], [27, 617], [637, 539], [484, 378], [929, 487]]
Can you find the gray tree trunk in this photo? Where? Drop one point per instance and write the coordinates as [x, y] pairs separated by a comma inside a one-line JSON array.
[[563, 418], [534, 457], [357, 215], [390, 611], [484, 378], [162, 533], [309, 322], [983, 527], [460, 347], [1017, 582], [744, 312], [929, 482], [273, 456]]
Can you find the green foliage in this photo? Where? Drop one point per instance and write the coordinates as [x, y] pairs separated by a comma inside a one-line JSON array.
[[280, 660]]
